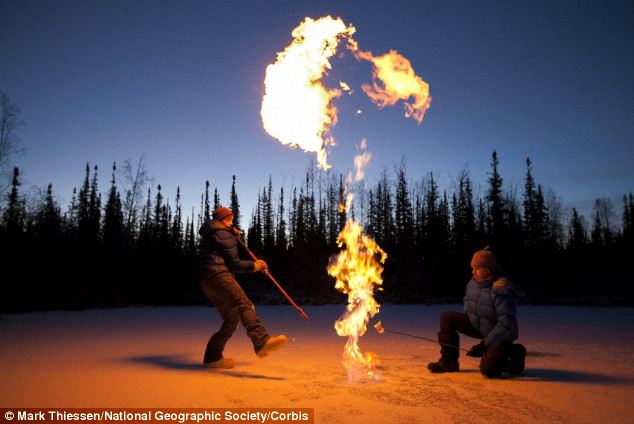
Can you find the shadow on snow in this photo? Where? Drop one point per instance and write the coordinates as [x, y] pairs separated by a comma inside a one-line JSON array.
[[176, 362], [565, 376]]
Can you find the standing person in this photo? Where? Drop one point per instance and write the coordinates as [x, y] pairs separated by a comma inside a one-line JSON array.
[[219, 261], [490, 306]]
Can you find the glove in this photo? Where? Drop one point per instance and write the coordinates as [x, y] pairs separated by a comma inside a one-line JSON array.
[[477, 350], [260, 266]]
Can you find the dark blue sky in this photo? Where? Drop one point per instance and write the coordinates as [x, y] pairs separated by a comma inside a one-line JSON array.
[[182, 82]]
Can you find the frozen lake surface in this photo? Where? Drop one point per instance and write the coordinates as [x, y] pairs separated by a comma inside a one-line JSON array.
[[579, 369]]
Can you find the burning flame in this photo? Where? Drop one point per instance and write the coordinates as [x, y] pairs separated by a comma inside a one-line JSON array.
[[360, 162], [394, 79], [297, 108], [357, 270], [345, 87]]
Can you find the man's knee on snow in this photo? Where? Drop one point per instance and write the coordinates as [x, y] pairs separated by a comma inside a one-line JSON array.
[[493, 361], [490, 370]]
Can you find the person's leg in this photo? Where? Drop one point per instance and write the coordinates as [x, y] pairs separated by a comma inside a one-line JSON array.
[[263, 344], [224, 290], [495, 359], [217, 342], [452, 323], [223, 303], [516, 359]]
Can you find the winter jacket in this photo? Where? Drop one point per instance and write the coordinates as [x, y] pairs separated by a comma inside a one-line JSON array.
[[218, 249], [492, 307]]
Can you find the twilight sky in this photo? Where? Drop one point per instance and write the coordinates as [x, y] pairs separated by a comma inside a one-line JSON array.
[[182, 83]]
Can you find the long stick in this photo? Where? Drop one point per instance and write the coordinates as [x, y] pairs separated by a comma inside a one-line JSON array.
[[268, 274], [379, 327]]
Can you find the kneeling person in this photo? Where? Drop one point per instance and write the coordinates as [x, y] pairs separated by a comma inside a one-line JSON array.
[[490, 305]]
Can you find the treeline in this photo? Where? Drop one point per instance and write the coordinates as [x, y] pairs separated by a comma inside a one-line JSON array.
[[131, 245], [430, 236]]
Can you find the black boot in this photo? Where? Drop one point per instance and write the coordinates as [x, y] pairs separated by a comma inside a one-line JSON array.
[[516, 359], [448, 362], [444, 365]]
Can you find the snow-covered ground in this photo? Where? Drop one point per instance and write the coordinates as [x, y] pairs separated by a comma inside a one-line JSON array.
[[579, 369]]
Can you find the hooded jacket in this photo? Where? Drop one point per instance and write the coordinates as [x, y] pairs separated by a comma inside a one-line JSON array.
[[492, 309], [218, 249]]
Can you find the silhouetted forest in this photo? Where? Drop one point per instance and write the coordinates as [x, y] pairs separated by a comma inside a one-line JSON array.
[[130, 245]]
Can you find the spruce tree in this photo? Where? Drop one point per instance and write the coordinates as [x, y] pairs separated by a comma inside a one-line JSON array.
[[443, 221], [385, 212], [576, 232], [83, 210], [281, 238], [333, 208], [94, 207], [268, 230], [113, 215], [176, 230], [216, 198], [495, 204], [432, 228], [342, 215], [403, 213], [235, 205], [14, 215], [70, 218], [464, 224], [207, 212], [49, 218]]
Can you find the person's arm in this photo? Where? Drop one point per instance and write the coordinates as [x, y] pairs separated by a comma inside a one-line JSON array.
[[506, 313], [229, 250]]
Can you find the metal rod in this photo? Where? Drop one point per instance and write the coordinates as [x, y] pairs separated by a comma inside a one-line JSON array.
[[268, 274], [379, 327]]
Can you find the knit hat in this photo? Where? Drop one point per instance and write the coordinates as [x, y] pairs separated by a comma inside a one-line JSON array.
[[221, 213], [484, 258]]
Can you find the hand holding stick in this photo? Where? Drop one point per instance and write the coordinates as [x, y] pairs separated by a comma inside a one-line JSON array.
[[266, 272]]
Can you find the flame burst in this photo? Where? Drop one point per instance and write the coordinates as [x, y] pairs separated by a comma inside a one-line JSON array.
[[394, 79], [297, 108], [357, 270]]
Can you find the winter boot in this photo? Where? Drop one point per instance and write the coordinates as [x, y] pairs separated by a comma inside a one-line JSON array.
[[272, 344], [448, 362], [225, 363], [443, 365], [516, 360]]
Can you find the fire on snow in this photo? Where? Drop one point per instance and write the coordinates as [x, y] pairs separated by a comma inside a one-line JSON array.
[[297, 109], [357, 270]]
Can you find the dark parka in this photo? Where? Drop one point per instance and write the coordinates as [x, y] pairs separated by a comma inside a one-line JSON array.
[[218, 250], [492, 309]]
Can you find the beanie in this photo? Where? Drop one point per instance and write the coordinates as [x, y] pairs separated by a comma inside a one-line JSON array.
[[221, 213], [484, 258]]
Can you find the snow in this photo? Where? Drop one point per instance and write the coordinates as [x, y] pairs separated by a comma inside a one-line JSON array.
[[579, 368]]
